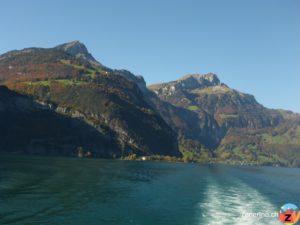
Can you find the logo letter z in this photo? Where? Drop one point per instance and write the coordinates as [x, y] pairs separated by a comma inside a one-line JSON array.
[[287, 218]]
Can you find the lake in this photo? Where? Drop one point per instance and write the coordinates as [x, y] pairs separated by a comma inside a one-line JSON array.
[[49, 190]]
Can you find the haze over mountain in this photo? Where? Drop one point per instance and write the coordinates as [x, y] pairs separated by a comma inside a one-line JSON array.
[[60, 98]]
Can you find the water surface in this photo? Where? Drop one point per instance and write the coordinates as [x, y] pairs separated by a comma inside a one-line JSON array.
[[40, 190]]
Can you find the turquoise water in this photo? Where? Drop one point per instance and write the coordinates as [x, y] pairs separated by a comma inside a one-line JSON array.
[[38, 190]]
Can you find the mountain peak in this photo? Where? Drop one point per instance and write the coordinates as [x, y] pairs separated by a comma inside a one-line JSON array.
[[187, 82], [207, 79], [79, 50], [195, 81], [73, 48]]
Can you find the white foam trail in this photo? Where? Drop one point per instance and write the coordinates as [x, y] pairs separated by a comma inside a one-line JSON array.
[[224, 206]]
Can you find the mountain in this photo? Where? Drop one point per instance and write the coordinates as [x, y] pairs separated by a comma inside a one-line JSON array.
[[55, 100], [68, 81], [230, 126], [206, 95]]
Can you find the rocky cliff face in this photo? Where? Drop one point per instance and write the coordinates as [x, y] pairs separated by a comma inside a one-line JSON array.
[[215, 106], [186, 83]]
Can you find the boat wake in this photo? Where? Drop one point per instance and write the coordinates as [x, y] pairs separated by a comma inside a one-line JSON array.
[[235, 203]]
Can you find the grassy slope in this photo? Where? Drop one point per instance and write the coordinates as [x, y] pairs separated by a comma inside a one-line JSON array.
[[279, 145]]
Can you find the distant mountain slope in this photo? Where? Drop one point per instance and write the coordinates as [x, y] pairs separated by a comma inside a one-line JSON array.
[[216, 105], [230, 108], [229, 118], [277, 145]]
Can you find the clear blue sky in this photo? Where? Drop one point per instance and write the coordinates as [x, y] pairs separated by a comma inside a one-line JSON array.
[[253, 45]]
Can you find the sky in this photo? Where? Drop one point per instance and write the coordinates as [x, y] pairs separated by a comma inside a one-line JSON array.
[[252, 45]]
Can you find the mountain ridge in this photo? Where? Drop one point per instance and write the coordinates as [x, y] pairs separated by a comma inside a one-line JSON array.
[[198, 114]]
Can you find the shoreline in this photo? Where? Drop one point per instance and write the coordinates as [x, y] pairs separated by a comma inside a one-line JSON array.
[[152, 159]]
